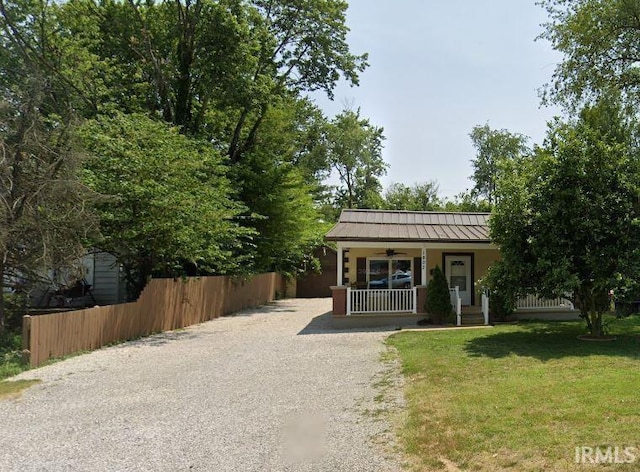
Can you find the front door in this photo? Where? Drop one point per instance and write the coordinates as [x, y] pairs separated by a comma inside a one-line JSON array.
[[457, 269]]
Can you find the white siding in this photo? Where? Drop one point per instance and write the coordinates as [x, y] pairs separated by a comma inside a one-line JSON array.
[[106, 279]]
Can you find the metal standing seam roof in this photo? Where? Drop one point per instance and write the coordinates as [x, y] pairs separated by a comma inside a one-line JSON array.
[[418, 226]]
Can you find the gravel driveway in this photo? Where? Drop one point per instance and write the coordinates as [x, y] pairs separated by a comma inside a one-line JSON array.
[[269, 389]]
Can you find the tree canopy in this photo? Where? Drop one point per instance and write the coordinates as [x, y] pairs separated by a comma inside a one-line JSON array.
[[418, 197], [166, 200], [201, 102], [599, 40], [354, 151], [567, 218], [492, 146]]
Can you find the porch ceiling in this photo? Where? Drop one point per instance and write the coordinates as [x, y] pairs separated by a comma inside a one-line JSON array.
[[378, 225]]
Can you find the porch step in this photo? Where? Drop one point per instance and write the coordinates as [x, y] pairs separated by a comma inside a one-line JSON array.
[[472, 319], [471, 310]]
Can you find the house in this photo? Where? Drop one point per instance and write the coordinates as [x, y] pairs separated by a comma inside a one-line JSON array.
[[386, 259], [101, 283], [104, 273]]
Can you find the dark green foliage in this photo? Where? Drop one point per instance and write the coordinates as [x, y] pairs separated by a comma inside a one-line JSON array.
[[11, 361], [166, 200], [15, 308], [354, 151], [598, 40], [419, 197], [45, 212], [503, 297], [438, 305], [283, 213], [491, 147], [231, 76], [567, 218], [467, 201]]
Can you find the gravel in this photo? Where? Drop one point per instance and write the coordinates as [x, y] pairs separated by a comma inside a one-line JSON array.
[[268, 389]]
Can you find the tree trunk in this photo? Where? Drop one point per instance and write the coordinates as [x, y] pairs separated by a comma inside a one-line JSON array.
[[595, 324], [234, 146]]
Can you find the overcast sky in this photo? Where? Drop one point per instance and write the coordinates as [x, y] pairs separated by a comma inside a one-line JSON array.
[[440, 67]]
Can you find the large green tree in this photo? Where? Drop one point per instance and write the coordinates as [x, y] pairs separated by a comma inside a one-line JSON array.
[[46, 214], [600, 43], [211, 67], [492, 146], [165, 200], [354, 152], [279, 186], [567, 218], [231, 73]]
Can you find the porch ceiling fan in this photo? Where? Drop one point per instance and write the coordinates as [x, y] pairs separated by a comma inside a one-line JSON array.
[[390, 252]]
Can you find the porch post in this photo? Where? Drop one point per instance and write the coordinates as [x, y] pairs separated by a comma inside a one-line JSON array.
[[340, 265], [423, 267]]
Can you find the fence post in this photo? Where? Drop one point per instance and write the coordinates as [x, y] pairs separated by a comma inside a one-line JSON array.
[[348, 301], [26, 339]]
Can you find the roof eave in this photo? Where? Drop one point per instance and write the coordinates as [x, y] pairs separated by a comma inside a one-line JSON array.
[[399, 240]]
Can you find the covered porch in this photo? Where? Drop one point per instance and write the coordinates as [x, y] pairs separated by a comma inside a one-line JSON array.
[[386, 259], [388, 281]]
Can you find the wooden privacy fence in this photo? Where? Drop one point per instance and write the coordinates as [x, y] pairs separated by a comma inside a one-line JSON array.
[[164, 304]]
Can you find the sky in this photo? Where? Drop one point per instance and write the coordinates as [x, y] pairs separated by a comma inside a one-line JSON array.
[[436, 69]]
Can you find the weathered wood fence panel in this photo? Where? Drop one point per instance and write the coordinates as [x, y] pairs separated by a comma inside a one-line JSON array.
[[163, 305]]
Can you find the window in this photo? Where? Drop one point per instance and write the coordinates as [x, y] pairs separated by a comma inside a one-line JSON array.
[[385, 273]]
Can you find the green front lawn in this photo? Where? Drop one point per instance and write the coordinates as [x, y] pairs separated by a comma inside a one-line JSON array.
[[520, 397]]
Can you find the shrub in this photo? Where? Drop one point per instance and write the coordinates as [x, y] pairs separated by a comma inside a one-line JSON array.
[[438, 304], [502, 295], [14, 306]]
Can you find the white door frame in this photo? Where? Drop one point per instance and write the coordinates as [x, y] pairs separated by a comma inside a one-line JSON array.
[[467, 259]]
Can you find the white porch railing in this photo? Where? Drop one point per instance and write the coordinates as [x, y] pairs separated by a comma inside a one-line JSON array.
[[533, 302], [456, 303], [485, 306], [371, 301]]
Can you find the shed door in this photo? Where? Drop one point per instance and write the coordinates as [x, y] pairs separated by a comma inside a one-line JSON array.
[[457, 269]]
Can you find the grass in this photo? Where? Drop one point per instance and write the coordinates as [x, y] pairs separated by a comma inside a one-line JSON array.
[[519, 397], [13, 388], [11, 362]]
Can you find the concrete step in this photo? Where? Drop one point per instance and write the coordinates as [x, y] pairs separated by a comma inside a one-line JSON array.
[[471, 310], [472, 319]]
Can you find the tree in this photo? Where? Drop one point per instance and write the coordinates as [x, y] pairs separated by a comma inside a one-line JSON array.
[[419, 197], [303, 48], [599, 40], [567, 218], [230, 73], [492, 146], [46, 213], [195, 62], [354, 151], [280, 190], [503, 298], [438, 297], [166, 200], [467, 201]]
